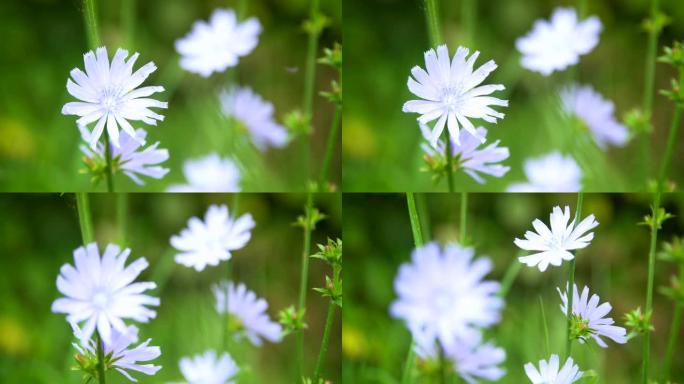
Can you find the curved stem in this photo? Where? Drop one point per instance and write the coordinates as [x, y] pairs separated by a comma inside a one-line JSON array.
[[84, 219], [329, 148], [646, 352], [509, 277], [330, 317], [570, 292], [306, 252]]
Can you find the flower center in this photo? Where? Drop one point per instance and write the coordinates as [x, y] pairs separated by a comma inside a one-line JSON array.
[[110, 99], [101, 300], [452, 97]]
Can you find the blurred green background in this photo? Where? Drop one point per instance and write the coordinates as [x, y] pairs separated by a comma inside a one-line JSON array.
[[45, 39], [35, 344], [614, 266], [385, 38]]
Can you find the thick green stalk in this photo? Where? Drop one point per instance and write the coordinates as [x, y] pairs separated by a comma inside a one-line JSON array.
[[649, 84], [310, 77], [433, 23], [646, 352], [464, 218], [418, 242], [303, 282], [449, 166], [330, 317], [100, 359], [90, 21], [330, 148], [122, 217], [128, 8], [468, 20], [84, 218], [571, 282]]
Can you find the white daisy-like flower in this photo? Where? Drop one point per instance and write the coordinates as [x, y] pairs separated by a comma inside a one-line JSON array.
[[450, 93], [219, 44], [442, 294], [110, 95], [469, 156], [550, 173], [208, 368], [592, 316], [118, 354], [556, 44], [472, 359], [101, 292], [549, 372], [256, 114], [249, 311], [211, 241], [130, 158], [554, 245], [597, 113], [209, 174]]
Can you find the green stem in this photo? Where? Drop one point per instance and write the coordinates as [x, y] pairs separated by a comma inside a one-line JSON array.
[[329, 148], [509, 277], [90, 21], [646, 353], [468, 20], [330, 317], [303, 282], [128, 8], [449, 166], [310, 76], [109, 172], [671, 141], [84, 218], [649, 84], [546, 327], [433, 24], [100, 359], [570, 292], [122, 217], [443, 373], [464, 218], [672, 340]]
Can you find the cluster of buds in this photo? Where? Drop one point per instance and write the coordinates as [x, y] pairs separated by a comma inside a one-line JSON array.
[[331, 253], [675, 56], [673, 252], [333, 57], [292, 320], [638, 322]]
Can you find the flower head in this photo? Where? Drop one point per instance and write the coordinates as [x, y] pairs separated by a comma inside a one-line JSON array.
[[248, 312], [548, 373], [556, 44], [219, 44], [471, 359], [550, 173], [211, 241], [256, 114], [101, 292], [589, 316], [597, 113], [450, 93], [209, 174], [554, 245], [118, 355], [209, 368], [469, 156], [129, 157], [442, 294], [110, 95]]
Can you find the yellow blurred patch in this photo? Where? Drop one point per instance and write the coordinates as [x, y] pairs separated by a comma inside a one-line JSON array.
[[13, 338], [358, 139], [17, 141], [354, 343]]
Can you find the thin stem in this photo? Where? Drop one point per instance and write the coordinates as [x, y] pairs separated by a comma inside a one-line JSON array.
[[100, 359], [449, 166], [464, 218], [90, 21], [303, 282], [330, 317], [310, 76], [128, 8], [649, 83], [509, 277], [570, 292], [122, 216], [84, 218], [418, 242], [330, 147], [546, 327], [671, 142], [442, 366], [433, 24], [672, 340], [468, 20], [109, 172], [646, 353]]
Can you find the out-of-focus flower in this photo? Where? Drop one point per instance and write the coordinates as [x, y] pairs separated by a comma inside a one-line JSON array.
[[219, 44], [256, 114], [248, 313], [209, 174], [549, 372], [211, 241], [556, 44], [129, 157], [550, 173], [554, 245], [597, 113], [208, 368], [589, 320], [110, 95], [442, 294], [449, 91], [101, 292]]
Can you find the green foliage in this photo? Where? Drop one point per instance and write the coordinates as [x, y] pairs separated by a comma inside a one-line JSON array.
[[331, 253], [657, 219], [292, 320], [638, 322]]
